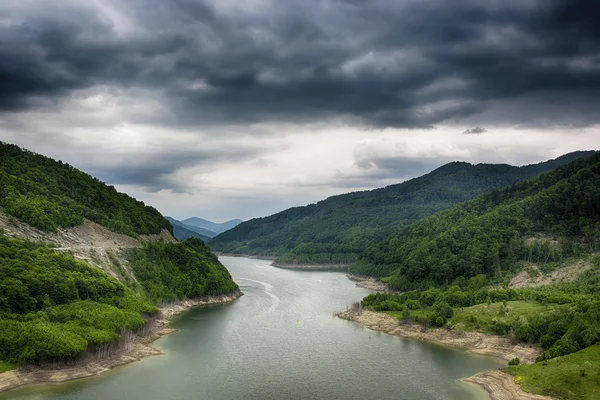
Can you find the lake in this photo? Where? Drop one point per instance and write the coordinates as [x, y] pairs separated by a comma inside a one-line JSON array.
[[281, 341]]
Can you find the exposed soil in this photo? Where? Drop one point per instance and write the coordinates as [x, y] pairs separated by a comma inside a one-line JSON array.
[[533, 275], [474, 342], [89, 242], [369, 283], [499, 385], [502, 386]]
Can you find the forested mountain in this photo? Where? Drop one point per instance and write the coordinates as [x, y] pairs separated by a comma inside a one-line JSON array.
[[337, 229], [48, 194], [55, 308], [217, 227], [182, 231], [544, 219]]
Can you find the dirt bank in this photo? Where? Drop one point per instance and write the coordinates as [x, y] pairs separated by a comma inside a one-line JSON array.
[[474, 342], [499, 385], [141, 349], [533, 276], [502, 386], [369, 283], [88, 242]]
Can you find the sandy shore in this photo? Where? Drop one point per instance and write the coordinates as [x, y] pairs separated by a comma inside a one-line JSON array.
[[502, 386], [369, 283], [499, 385], [141, 349]]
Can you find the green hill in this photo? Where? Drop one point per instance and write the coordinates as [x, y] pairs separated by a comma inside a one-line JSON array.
[[542, 220], [49, 194], [337, 229], [55, 308]]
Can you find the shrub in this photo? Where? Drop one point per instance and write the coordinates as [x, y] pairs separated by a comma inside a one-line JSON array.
[[514, 361]]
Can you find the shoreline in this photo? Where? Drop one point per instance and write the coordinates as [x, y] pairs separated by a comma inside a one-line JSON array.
[[254, 257], [501, 386], [498, 385], [327, 266], [309, 267], [141, 348], [370, 283]]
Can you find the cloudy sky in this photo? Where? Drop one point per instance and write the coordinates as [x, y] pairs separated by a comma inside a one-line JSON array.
[[228, 108]]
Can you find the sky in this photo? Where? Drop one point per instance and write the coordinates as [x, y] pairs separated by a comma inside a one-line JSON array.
[[239, 109]]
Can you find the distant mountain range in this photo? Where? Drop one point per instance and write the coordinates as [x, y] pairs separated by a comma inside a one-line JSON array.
[[212, 226], [339, 228], [200, 228]]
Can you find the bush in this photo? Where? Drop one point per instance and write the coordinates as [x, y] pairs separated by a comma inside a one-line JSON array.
[[515, 361]]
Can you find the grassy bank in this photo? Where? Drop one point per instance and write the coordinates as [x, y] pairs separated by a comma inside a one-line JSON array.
[[572, 377], [6, 366]]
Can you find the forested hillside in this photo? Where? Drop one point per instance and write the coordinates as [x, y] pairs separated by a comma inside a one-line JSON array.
[[544, 219], [337, 229], [49, 194], [55, 308], [177, 271]]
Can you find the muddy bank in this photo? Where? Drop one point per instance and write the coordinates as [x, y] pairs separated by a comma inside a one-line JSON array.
[[499, 385], [474, 342], [369, 283], [141, 349], [502, 386]]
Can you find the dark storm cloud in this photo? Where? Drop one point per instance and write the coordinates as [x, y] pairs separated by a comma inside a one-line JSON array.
[[381, 63], [153, 171]]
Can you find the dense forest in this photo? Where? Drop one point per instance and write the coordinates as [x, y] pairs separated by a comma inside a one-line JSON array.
[[177, 271], [49, 194], [561, 318], [541, 220], [54, 308], [337, 229]]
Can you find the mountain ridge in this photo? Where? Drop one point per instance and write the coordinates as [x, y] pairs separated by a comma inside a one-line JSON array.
[[337, 229]]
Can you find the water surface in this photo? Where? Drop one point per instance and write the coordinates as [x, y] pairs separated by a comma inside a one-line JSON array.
[[281, 341]]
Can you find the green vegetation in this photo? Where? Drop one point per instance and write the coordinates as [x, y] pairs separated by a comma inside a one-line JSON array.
[[543, 220], [6, 366], [177, 271], [49, 194], [571, 377], [54, 308], [561, 318], [339, 228]]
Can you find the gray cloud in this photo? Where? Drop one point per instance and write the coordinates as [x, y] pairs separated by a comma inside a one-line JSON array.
[[475, 131], [380, 63]]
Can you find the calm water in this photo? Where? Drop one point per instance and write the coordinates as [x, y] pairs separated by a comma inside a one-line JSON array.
[[281, 341]]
